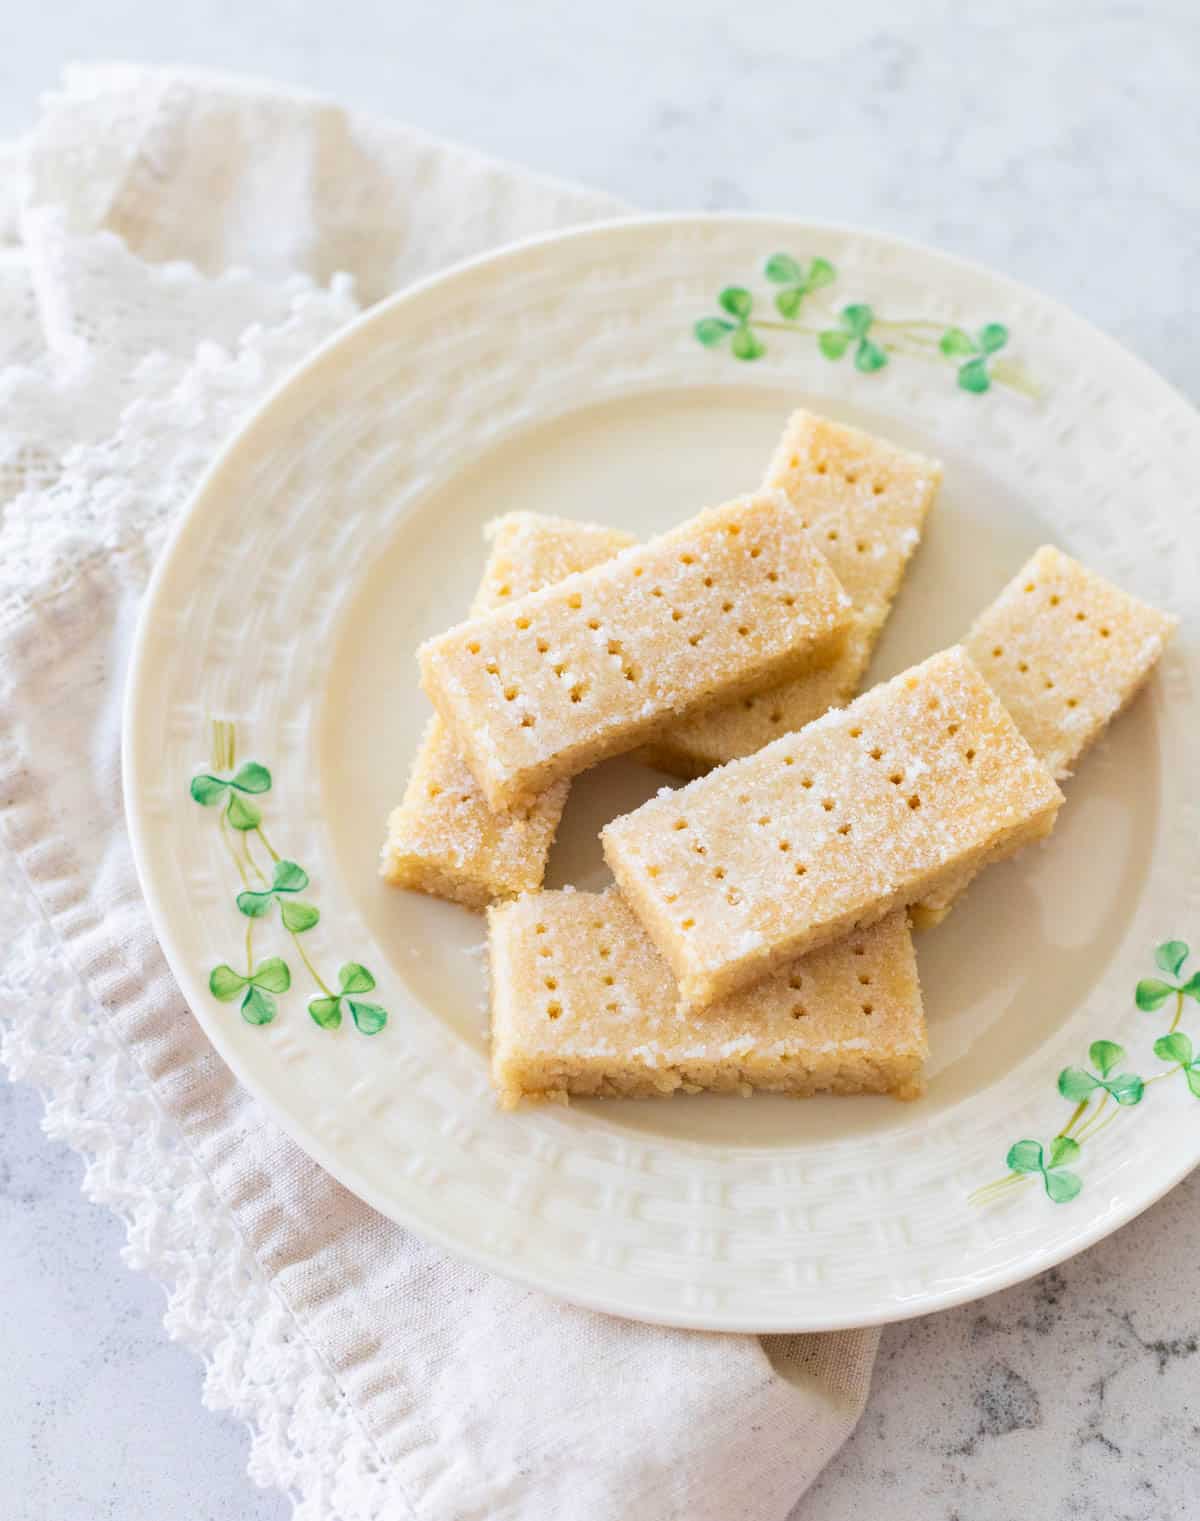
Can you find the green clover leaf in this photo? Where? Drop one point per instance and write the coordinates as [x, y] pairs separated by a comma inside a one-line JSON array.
[[737, 301], [784, 270], [973, 374], [250, 777], [1063, 1148], [820, 273], [1077, 1084], [298, 917], [744, 342], [855, 325], [797, 281], [254, 904], [224, 983], [788, 302], [1127, 1088], [273, 975], [369, 1018], [1170, 956], [1060, 1184], [1177, 1047], [1025, 1156], [258, 1006], [326, 1012], [207, 789], [710, 330], [1104, 1055], [243, 815], [287, 878], [354, 978], [1152, 992], [955, 343]]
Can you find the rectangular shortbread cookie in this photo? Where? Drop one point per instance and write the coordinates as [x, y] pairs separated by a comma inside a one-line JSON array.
[[737, 596], [1065, 650], [443, 838], [583, 1004], [867, 809], [864, 500]]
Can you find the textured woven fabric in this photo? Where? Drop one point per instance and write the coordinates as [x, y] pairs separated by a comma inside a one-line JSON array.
[[169, 247]]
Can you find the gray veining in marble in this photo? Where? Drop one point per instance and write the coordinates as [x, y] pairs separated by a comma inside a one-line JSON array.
[[1056, 141], [1076, 1395]]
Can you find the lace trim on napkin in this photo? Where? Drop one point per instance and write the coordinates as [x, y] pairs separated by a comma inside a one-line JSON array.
[[220, 1303]]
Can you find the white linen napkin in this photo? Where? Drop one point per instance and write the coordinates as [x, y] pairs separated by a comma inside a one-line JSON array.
[[170, 246]]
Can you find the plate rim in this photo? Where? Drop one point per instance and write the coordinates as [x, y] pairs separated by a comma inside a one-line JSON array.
[[524, 1272]]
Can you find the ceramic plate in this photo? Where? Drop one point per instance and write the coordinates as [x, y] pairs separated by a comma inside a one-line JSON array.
[[630, 374]]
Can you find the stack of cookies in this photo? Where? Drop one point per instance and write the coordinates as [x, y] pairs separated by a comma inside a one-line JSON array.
[[758, 936]]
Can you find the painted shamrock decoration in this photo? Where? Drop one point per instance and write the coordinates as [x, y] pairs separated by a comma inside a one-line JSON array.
[[353, 978], [1078, 1084], [973, 374], [249, 779], [287, 879], [743, 340], [259, 985], [1152, 992], [258, 1006], [1090, 1089], [874, 339], [797, 281], [1177, 1047], [1060, 1183], [855, 323]]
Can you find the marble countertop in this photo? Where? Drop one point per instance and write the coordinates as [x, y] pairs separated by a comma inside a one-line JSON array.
[[1057, 143]]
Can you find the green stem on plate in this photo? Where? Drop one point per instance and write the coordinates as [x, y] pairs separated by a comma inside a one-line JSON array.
[[312, 971], [1103, 1125], [1178, 1011], [930, 356], [1090, 1127], [785, 327], [233, 850], [910, 343], [251, 862], [223, 744], [1074, 1120], [1011, 375], [271, 851], [909, 323], [986, 1192]]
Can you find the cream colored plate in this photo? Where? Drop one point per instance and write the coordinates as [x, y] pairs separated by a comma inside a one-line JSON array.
[[343, 525]]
